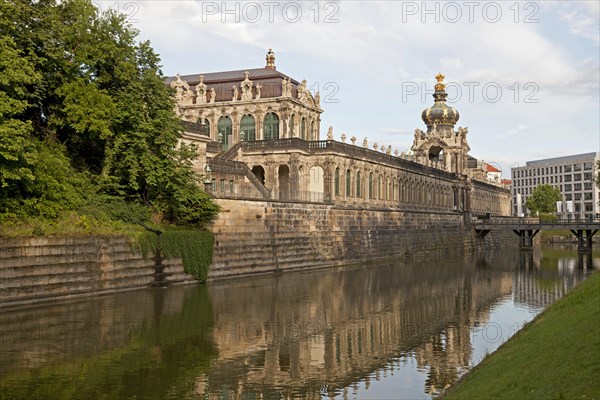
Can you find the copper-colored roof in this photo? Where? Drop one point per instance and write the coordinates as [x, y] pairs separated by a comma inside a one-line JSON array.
[[269, 80]]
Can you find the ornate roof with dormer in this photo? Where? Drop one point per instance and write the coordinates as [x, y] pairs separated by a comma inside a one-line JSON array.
[[440, 113], [241, 85], [269, 79]]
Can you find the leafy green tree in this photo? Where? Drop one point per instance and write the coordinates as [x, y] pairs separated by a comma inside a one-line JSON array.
[[76, 83], [543, 199], [17, 153], [598, 177]]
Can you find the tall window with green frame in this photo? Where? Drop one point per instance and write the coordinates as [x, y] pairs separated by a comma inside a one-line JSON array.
[[348, 184], [358, 188], [248, 128], [336, 182], [271, 126], [224, 131]]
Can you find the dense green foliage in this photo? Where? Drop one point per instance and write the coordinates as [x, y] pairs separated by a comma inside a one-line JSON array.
[[554, 357], [546, 217], [86, 121], [194, 247], [543, 200]]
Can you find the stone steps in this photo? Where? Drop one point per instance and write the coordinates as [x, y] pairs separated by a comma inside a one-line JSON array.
[[48, 267]]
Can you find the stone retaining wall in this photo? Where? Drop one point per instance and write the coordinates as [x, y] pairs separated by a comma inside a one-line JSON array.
[[257, 237], [38, 268], [251, 237]]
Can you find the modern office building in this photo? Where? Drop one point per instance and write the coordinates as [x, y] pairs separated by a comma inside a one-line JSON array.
[[573, 175]]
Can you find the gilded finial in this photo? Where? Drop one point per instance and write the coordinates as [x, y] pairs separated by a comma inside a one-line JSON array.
[[440, 86], [270, 59]]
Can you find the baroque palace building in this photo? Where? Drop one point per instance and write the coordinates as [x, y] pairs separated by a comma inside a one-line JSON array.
[[258, 136]]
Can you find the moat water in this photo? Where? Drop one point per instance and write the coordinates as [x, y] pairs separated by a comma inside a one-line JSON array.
[[385, 331]]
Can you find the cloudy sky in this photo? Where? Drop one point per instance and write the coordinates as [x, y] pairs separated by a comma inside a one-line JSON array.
[[524, 75]]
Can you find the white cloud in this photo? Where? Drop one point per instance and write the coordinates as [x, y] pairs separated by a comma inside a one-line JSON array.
[[394, 131], [518, 130], [370, 53], [581, 17], [450, 63]]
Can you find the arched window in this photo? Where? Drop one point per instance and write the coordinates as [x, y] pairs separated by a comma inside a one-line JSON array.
[[371, 194], [271, 126], [292, 118], [336, 182], [348, 184], [303, 129], [380, 187], [312, 131], [224, 131], [248, 128], [358, 188]]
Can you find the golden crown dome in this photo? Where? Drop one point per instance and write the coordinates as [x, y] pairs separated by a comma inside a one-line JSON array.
[[440, 113]]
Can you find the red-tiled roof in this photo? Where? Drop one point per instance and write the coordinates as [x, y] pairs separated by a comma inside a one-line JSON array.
[[491, 168], [505, 181]]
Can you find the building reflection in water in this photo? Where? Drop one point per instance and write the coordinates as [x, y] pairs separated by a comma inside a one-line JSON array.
[[325, 333], [322, 333]]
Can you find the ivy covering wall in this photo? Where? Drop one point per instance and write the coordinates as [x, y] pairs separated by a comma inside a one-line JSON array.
[[195, 247]]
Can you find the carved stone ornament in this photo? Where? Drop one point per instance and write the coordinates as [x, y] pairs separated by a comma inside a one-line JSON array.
[[247, 87], [258, 88], [181, 87], [201, 91]]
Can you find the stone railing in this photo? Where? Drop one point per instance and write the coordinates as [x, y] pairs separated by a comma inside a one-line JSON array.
[[231, 153], [196, 128], [223, 166], [301, 195], [290, 143], [213, 147], [324, 146], [489, 186]]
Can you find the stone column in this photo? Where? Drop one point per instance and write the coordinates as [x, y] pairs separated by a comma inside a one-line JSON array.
[[295, 184], [235, 128], [328, 180], [468, 190], [271, 180], [259, 124], [318, 129], [213, 126]]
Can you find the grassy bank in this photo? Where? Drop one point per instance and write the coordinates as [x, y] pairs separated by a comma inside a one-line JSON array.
[[556, 356]]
